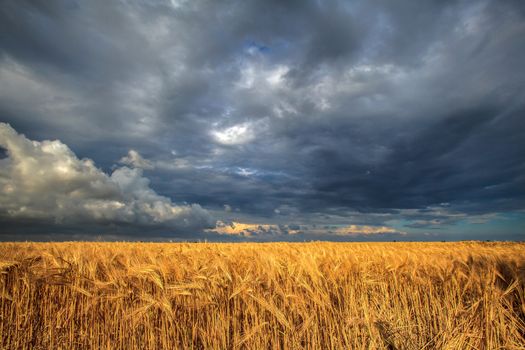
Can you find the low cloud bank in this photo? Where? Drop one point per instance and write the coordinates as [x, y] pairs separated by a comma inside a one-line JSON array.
[[254, 230], [46, 181], [365, 230], [241, 229]]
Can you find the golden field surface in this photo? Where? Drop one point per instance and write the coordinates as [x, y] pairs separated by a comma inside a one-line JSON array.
[[318, 295]]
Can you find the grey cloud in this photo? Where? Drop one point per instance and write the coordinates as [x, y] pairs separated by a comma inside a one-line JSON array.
[[292, 112]]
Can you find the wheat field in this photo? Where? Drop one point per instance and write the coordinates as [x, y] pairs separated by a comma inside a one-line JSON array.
[[317, 295]]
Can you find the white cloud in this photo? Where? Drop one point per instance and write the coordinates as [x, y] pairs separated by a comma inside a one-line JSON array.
[[45, 180], [245, 172], [235, 135], [259, 75], [275, 76], [135, 160]]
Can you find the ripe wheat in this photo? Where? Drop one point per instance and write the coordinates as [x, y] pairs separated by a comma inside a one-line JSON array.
[[262, 296]]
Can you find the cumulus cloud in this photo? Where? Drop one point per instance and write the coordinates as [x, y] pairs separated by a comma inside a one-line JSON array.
[[134, 159], [46, 181]]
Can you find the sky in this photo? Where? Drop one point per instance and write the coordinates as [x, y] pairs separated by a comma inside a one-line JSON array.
[[262, 120]]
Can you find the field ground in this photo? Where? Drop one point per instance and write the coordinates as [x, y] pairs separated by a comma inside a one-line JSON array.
[[466, 295]]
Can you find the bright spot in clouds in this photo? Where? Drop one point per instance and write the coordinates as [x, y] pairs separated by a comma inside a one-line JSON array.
[[235, 135], [275, 76]]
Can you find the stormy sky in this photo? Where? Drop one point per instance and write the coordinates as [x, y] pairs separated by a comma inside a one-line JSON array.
[[262, 120]]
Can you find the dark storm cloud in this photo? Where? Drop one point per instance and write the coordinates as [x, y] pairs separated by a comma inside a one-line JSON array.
[[294, 112], [463, 157]]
